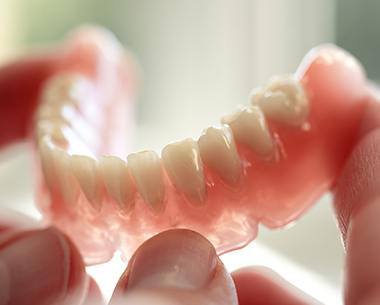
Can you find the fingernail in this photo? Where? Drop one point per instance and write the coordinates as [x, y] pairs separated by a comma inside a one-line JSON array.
[[177, 259], [371, 115], [36, 268]]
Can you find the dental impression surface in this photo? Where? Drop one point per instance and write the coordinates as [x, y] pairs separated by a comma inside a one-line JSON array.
[[266, 163]]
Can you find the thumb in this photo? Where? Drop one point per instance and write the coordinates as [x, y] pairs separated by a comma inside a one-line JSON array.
[[175, 267]]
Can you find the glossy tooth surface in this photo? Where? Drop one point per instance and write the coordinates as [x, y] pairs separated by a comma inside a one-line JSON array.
[[184, 166], [65, 88], [218, 151], [85, 170], [283, 100], [65, 181], [248, 126], [45, 150], [53, 129], [147, 172], [118, 181]]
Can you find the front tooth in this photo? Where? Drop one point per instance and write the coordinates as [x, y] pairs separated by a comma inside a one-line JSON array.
[[283, 100], [146, 170], [118, 181], [218, 151], [184, 166], [249, 127], [86, 172], [65, 182]]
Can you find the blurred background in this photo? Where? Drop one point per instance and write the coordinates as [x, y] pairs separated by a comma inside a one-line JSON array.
[[199, 60]]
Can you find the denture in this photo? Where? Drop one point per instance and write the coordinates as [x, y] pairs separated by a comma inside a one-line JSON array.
[[266, 163]]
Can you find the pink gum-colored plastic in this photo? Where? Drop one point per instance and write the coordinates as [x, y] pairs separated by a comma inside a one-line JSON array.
[[272, 192]]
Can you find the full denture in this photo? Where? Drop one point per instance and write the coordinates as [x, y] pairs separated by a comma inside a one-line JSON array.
[[266, 163]]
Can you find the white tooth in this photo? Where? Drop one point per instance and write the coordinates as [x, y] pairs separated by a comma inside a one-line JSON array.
[[118, 181], [53, 129], [249, 127], [146, 169], [65, 87], [184, 166], [86, 173], [68, 188], [283, 100], [46, 149], [218, 151]]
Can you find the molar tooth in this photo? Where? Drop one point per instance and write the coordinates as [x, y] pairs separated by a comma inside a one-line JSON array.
[[46, 149], [85, 171], [249, 127], [65, 87], [53, 129], [147, 172], [68, 188], [218, 151], [184, 166], [118, 181], [283, 99]]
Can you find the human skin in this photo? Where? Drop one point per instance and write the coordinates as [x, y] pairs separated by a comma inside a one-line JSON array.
[[152, 278]]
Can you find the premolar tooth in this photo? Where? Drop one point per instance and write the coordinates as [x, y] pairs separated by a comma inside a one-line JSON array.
[[249, 127], [284, 100], [184, 166], [86, 172], [147, 172], [118, 181], [218, 151], [66, 185]]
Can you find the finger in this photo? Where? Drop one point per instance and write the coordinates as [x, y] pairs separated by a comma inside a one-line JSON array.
[[357, 203], [262, 286], [173, 267], [20, 83], [94, 296], [40, 267]]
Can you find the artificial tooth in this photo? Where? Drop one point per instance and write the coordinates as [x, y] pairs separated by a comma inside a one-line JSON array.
[[248, 126], [147, 172], [184, 166], [46, 149], [283, 100], [218, 150], [86, 172], [118, 181], [66, 185], [52, 129], [65, 87]]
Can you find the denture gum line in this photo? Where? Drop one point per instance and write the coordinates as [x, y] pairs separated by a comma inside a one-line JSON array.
[[74, 174]]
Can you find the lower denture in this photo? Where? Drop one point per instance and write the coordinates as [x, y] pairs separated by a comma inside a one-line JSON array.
[[263, 165]]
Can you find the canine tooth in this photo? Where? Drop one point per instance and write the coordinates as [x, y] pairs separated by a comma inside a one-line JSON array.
[[118, 181], [184, 166], [146, 170], [218, 151], [85, 171], [68, 189], [249, 127], [284, 100]]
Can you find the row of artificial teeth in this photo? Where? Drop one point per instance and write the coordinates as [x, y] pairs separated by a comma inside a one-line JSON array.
[[282, 100]]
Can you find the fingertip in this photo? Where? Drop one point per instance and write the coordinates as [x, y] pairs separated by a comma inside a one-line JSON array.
[[261, 285], [173, 266], [40, 267]]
